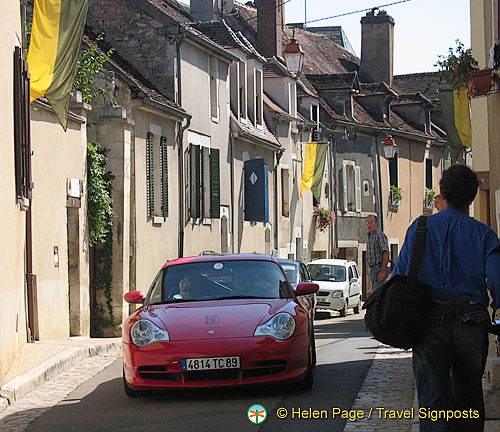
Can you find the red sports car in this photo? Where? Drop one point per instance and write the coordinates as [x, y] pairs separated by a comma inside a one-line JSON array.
[[218, 320]]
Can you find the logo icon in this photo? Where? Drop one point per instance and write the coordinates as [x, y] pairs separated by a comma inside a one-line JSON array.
[[212, 319], [256, 414]]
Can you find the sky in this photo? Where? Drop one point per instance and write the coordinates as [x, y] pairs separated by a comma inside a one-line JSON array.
[[423, 29]]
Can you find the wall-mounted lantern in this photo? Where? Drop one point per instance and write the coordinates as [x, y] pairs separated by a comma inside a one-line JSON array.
[[294, 56], [390, 147]]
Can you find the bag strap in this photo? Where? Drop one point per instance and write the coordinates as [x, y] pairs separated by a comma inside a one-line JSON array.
[[418, 247]]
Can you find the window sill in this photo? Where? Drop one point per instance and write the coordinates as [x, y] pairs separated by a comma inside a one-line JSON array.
[[158, 220]]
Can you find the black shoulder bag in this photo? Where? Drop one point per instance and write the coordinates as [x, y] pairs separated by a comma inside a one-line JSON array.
[[397, 311]]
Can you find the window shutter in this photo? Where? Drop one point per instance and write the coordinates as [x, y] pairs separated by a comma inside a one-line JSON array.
[[357, 184], [187, 183], [164, 176], [256, 191], [205, 182], [214, 184], [195, 181], [150, 191], [344, 183]]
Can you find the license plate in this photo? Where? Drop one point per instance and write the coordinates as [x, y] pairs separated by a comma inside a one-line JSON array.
[[210, 363]]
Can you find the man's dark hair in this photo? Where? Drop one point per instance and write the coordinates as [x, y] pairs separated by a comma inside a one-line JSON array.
[[459, 186]]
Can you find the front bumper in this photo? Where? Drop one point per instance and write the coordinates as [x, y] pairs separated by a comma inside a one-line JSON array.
[[330, 303], [262, 360]]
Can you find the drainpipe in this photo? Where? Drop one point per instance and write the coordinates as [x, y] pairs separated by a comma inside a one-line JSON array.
[[379, 179], [276, 208], [231, 162], [180, 147], [333, 196]]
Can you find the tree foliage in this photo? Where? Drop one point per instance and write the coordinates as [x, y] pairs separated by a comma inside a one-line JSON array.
[[456, 65]]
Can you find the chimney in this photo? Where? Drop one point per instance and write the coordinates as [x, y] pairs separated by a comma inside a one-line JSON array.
[[377, 47], [204, 10], [269, 27]]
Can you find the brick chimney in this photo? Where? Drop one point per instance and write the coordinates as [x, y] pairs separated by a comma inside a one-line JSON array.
[[204, 10], [269, 27], [377, 47]]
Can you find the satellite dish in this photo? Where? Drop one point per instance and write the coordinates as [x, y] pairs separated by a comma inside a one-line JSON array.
[[227, 6]]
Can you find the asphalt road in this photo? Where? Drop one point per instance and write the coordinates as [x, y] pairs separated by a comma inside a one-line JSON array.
[[344, 350]]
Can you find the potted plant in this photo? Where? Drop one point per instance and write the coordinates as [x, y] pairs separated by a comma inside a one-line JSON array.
[[429, 198], [324, 218], [479, 82], [396, 195], [460, 69]]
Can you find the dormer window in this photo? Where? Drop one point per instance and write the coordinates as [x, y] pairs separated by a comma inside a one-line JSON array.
[[258, 98]]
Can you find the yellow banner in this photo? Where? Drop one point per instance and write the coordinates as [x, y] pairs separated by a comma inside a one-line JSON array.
[[462, 116]]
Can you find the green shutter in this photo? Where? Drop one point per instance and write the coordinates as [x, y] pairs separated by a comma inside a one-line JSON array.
[[195, 182], [201, 183], [187, 183], [150, 190], [164, 176], [214, 184]]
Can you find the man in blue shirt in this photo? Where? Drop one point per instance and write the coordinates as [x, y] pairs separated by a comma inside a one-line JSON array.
[[461, 261]]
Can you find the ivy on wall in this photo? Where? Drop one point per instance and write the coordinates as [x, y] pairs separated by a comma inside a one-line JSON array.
[[100, 219]]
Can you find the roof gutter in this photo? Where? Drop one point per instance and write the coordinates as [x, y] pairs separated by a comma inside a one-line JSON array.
[[392, 131], [164, 107]]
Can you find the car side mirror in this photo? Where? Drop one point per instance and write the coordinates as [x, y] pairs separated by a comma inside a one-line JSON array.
[[134, 297], [304, 288], [353, 280]]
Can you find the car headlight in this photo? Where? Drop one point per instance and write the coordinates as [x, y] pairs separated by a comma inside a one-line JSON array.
[[280, 327], [338, 293], [144, 333]]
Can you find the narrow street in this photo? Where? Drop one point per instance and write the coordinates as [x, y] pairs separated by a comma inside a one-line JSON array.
[[345, 352]]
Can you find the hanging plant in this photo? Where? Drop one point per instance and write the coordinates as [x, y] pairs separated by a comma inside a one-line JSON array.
[[324, 218], [454, 68]]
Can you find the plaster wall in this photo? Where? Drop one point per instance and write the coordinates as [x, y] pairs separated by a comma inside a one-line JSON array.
[[57, 156], [153, 243], [12, 228]]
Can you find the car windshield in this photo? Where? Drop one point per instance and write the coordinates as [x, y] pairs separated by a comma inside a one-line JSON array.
[[217, 280], [290, 270], [327, 272]]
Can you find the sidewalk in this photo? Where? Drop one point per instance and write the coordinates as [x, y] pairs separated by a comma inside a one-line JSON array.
[[40, 361]]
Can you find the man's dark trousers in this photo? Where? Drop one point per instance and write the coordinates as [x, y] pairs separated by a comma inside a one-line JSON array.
[[449, 363]]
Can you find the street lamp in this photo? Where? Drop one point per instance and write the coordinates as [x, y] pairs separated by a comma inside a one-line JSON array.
[[294, 56], [390, 147]]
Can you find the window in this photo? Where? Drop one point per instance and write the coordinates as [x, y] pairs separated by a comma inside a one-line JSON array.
[[214, 87], [293, 99], [258, 98], [351, 179], [242, 91], [429, 184], [351, 274], [22, 143], [393, 170], [285, 192], [202, 176], [156, 175]]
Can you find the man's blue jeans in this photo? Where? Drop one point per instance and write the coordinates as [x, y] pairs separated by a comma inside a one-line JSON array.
[[374, 271], [448, 366]]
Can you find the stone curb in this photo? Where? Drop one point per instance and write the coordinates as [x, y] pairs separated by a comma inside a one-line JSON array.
[[20, 386]]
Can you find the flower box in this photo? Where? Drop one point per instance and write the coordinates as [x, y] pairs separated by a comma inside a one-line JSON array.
[[479, 82]]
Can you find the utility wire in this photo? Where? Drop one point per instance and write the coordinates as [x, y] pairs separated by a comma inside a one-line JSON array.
[[355, 12]]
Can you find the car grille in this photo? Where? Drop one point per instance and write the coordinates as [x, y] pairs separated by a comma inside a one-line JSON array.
[[259, 369], [211, 375], [268, 367], [322, 304], [322, 293], [158, 373]]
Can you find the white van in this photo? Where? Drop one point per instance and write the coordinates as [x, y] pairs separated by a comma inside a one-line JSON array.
[[339, 285]]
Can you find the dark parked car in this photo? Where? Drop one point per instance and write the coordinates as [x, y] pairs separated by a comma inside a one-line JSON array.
[[297, 272]]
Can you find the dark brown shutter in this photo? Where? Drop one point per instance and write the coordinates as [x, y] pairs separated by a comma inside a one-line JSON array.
[[150, 189], [164, 176], [214, 184]]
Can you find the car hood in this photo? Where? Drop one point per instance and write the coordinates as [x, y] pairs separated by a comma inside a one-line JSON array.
[[219, 319], [326, 285]]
